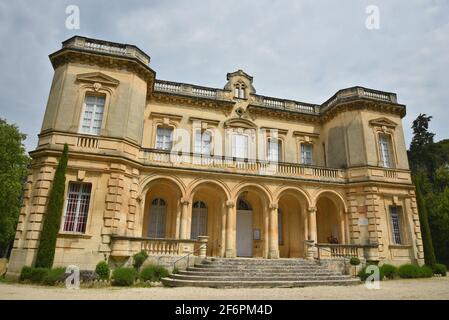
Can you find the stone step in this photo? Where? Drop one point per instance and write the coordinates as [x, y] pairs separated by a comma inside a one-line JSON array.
[[262, 262], [252, 272], [265, 268], [257, 283], [259, 277]]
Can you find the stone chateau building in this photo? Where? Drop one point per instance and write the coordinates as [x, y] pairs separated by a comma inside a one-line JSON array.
[[163, 166]]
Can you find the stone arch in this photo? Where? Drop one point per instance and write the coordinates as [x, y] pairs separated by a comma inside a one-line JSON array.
[[281, 190], [144, 185], [248, 185], [193, 186], [331, 220]]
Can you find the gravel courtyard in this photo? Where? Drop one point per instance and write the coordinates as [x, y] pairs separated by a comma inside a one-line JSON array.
[[433, 288]]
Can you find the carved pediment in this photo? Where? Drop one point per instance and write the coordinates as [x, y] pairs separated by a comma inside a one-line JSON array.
[[383, 122], [97, 77], [239, 122]]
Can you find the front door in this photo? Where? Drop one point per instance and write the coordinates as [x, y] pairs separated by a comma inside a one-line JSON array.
[[244, 233]]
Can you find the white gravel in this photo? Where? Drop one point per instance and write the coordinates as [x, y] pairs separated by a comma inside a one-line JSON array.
[[434, 288]]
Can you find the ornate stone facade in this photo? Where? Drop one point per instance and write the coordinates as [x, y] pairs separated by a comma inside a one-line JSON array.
[[338, 172]]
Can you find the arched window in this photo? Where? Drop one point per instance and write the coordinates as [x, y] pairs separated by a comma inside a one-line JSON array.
[[199, 220], [243, 205], [157, 218], [239, 90]]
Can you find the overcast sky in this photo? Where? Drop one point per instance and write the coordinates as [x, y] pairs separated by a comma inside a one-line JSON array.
[[301, 50]]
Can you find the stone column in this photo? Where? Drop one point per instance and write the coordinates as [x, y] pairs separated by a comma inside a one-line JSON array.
[[203, 246], [178, 221], [273, 252], [312, 233], [185, 221], [230, 230]]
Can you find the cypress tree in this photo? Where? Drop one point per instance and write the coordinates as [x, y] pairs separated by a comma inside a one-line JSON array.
[[52, 218], [429, 253]]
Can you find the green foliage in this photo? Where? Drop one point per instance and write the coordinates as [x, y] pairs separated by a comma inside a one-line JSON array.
[[438, 209], [429, 253], [53, 276], [13, 172], [124, 277], [34, 275], [389, 271], [52, 218], [354, 261], [153, 273], [426, 272], [139, 258], [364, 274], [102, 269], [440, 269], [420, 154], [409, 271]]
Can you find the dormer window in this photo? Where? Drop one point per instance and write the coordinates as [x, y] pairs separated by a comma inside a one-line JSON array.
[[239, 90]]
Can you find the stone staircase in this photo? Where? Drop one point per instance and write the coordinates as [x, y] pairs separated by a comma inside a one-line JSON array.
[[257, 273]]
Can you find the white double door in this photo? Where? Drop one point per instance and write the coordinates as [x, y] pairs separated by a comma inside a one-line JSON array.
[[244, 233]]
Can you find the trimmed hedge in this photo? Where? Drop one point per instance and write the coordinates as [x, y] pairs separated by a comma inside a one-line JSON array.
[[103, 271], [53, 276], [426, 272], [34, 275], [139, 258], [354, 261], [389, 271], [409, 271], [363, 274], [153, 273], [440, 269], [124, 277]]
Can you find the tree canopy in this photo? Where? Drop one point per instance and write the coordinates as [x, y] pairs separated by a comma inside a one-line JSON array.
[[13, 172]]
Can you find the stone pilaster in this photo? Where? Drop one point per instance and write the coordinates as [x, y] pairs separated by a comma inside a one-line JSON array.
[[372, 202], [416, 229], [353, 212]]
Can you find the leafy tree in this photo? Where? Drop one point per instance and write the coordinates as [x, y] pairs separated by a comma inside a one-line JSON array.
[[429, 253], [438, 204], [421, 147], [13, 171], [52, 218]]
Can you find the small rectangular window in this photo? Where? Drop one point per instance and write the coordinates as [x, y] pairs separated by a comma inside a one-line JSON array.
[[92, 117], [274, 150], [395, 225], [164, 138], [77, 209], [203, 142], [306, 153], [240, 146]]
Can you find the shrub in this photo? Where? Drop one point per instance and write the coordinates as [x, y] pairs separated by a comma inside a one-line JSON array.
[[139, 258], [426, 272], [363, 274], [34, 275], [123, 277], [52, 218], [389, 271], [409, 271], [439, 268], [102, 269], [153, 273], [354, 261], [53, 276]]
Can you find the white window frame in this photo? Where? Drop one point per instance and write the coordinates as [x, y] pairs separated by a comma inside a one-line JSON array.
[[158, 218], [306, 156], [274, 150], [164, 141], [235, 150], [91, 128], [81, 209], [199, 220], [385, 151], [202, 145]]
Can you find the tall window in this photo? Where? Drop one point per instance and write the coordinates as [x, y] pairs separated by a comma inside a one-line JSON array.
[[395, 225], [92, 117], [239, 91], [240, 146], [78, 198], [157, 218], [274, 150], [164, 138], [306, 153], [203, 142], [385, 150], [280, 235], [199, 220]]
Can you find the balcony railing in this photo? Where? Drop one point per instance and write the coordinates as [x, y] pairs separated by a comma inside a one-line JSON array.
[[109, 47], [236, 165], [359, 92], [155, 246], [335, 251], [187, 89]]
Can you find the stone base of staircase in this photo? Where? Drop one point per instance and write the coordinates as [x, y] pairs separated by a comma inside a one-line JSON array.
[[257, 273]]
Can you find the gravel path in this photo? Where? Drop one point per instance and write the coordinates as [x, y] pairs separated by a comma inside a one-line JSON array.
[[434, 288]]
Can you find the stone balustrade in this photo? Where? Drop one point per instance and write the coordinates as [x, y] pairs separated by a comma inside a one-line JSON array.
[[336, 251]]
